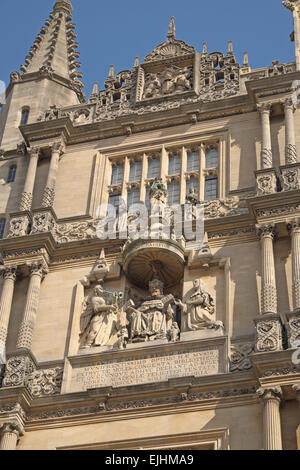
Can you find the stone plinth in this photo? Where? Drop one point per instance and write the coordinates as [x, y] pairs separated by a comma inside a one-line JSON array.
[[290, 177], [151, 363], [266, 181], [201, 334]]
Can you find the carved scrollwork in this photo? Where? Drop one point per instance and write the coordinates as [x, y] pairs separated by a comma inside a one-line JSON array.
[[16, 371], [268, 335], [240, 357], [45, 382], [291, 178]]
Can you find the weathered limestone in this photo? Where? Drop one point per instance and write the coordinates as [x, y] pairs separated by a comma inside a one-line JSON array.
[[271, 417], [49, 191], [10, 433], [9, 275], [268, 325], [266, 146], [37, 272], [26, 198], [293, 326], [294, 6], [290, 142], [296, 388]]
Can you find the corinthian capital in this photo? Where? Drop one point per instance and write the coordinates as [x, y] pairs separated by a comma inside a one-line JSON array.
[[9, 272], [264, 107], [288, 103], [293, 226], [38, 268], [34, 152], [58, 147], [266, 231], [12, 427], [270, 393]]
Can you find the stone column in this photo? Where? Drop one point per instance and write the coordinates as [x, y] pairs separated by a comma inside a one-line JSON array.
[[268, 325], [38, 270], [9, 275], [267, 235], [290, 142], [271, 417], [266, 147], [49, 191], [10, 433], [296, 389], [294, 230], [26, 198], [294, 6]]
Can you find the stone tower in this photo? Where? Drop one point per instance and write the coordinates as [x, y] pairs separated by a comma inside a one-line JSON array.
[[49, 73]]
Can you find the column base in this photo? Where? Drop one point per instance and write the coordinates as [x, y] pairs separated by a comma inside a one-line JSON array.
[[293, 329], [290, 177], [19, 224], [268, 333], [19, 365], [266, 181], [44, 220]]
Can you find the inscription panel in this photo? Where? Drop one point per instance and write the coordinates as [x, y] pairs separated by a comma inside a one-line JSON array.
[[149, 368]]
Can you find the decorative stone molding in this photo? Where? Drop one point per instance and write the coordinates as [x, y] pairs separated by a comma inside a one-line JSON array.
[[46, 382], [43, 222], [290, 177], [288, 370], [10, 432], [293, 329], [17, 369], [18, 226], [267, 235], [240, 357], [48, 197], [268, 333], [26, 201], [266, 182], [224, 208], [270, 393], [9, 272]]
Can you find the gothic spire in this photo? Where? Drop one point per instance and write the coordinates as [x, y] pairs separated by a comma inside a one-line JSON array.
[[54, 49], [172, 29]]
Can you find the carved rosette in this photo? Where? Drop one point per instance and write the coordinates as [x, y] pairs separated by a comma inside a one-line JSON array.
[[290, 177], [42, 222], [26, 201], [16, 371], [268, 334]]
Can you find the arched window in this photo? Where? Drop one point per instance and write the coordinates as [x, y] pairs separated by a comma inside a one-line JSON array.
[[2, 227], [24, 116], [12, 174]]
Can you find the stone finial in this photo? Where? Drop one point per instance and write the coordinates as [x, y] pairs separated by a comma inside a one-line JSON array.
[[137, 62], [246, 61], [111, 71], [172, 29], [204, 51], [95, 89], [230, 47]]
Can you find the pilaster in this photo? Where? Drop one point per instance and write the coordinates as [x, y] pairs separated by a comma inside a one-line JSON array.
[[49, 192]]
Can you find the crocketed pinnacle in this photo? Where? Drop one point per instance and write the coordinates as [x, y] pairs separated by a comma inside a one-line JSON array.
[[54, 49]]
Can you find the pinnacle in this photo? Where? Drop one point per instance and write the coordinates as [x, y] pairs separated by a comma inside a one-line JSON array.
[[63, 5], [172, 29]]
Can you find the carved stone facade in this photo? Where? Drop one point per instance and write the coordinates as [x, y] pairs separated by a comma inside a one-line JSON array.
[[150, 250]]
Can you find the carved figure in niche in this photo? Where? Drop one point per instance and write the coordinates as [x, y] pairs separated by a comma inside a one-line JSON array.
[[199, 308], [154, 318], [154, 87], [158, 193], [98, 321], [192, 197]]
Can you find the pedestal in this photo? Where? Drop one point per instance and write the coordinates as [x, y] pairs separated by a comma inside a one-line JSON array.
[[266, 181], [290, 177], [268, 333]]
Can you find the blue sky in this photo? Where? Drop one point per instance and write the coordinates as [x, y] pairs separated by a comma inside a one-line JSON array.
[[114, 32]]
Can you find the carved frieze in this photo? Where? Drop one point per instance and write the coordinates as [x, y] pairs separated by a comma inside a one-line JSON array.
[[18, 226]]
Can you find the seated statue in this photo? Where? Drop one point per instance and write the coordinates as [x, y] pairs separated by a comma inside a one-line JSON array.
[[199, 309]]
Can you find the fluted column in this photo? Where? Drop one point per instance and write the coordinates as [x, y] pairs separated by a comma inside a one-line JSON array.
[[37, 272], [49, 191], [294, 230], [290, 142], [266, 147], [9, 275], [10, 433], [26, 198], [271, 397], [267, 234]]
